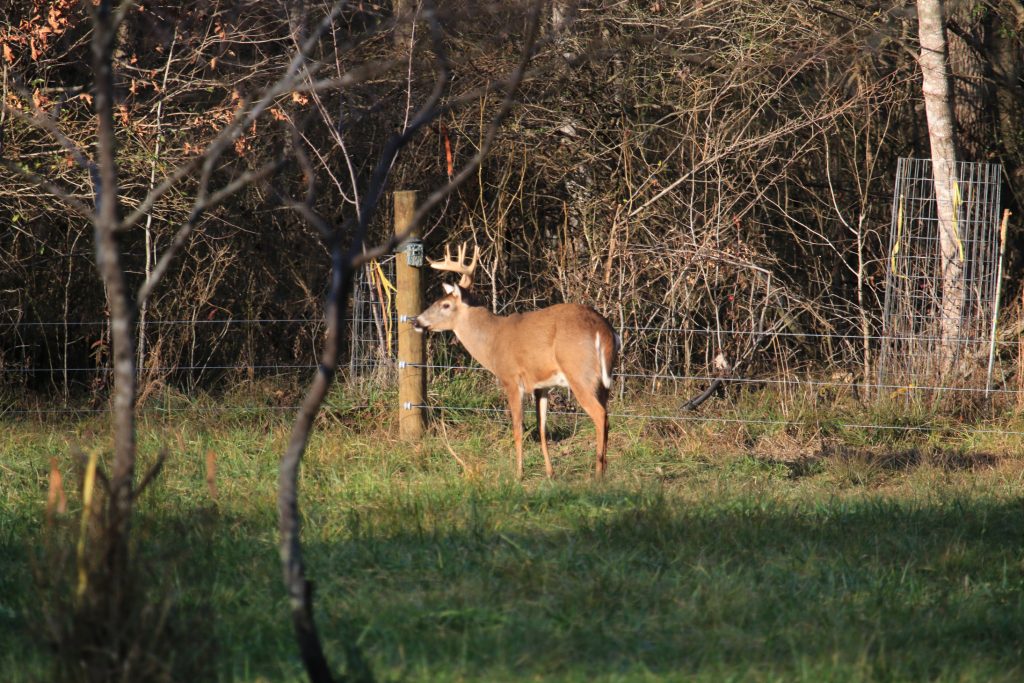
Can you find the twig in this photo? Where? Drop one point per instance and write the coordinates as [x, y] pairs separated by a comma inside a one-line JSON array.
[[447, 444]]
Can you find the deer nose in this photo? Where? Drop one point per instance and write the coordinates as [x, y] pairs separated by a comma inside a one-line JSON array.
[[418, 325]]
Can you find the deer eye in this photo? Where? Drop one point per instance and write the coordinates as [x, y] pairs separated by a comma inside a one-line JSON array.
[[446, 305]]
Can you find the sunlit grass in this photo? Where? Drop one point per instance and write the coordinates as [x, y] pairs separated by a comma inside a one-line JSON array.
[[711, 552]]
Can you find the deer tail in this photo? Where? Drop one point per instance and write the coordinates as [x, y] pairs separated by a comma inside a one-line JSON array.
[[606, 355]]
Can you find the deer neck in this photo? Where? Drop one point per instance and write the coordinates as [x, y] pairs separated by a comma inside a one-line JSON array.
[[477, 330]]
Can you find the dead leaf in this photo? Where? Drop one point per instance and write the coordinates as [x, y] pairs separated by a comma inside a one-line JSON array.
[[211, 473], [39, 100], [56, 500]]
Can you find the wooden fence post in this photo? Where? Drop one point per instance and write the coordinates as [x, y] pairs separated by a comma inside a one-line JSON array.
[[412, 377]]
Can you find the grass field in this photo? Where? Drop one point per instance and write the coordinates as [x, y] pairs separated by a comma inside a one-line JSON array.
[[718, 552]]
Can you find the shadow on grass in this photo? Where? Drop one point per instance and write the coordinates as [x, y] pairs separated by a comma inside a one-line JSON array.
[[888, 460], [579, 582], [633, 582]]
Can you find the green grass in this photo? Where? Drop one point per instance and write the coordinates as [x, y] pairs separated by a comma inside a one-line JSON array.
[[710, 553]]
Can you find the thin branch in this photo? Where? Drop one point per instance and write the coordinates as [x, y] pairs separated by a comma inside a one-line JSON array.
[[152, 473], [298, 587], [61, 194], [200, 207], [243, 118], [40, 119], [436, 197]]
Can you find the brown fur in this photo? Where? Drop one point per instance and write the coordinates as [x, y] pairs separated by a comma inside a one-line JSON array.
[[526, 351]]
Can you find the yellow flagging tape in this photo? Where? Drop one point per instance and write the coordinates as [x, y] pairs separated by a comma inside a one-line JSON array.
[[88, 487], [899, 241], [957, 201], [384, 289], [902, 390]]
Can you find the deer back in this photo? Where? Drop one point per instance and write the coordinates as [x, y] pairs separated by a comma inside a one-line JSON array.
[[562, 345]]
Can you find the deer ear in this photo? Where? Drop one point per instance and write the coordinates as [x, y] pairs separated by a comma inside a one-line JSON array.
[[448, 289]]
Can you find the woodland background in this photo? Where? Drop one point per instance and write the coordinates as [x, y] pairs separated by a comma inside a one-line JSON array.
[[664, 157], [691, 169]]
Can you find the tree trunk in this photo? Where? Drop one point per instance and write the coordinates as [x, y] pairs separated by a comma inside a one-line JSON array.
[[940, 132], [973, 105], [122, 308], [1007, 63]]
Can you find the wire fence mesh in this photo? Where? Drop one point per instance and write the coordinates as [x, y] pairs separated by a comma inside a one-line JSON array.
[[662, 365], [374, 336], [917, 317], [639, 391]]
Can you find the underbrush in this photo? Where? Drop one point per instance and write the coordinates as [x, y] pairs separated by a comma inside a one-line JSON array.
[[769, 542]]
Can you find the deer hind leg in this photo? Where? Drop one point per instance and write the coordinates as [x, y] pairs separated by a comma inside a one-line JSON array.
[[515, 406], [542, 426], [594, 402]]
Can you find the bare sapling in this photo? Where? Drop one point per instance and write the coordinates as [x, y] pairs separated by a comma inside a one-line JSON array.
[[565, 345]]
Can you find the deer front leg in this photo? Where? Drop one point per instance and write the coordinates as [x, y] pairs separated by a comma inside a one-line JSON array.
[[515, 406]]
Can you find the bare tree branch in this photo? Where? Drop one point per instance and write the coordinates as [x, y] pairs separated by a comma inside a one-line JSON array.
[[510, 86], [60, 193], [201, 206], [343, 264]]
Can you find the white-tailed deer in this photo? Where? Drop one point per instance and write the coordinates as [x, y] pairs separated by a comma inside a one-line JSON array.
[[565, 345]]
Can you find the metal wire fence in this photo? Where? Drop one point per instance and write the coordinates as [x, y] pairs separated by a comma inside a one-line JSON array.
[[662, 365], [921, 280], [640, 392], [374, 337]]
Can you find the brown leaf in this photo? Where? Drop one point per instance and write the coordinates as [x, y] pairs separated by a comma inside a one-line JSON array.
[[8, 54], [39, 100], [56, 501], [211, 473]]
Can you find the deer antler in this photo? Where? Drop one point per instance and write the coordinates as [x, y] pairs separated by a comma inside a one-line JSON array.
[[458, 265]]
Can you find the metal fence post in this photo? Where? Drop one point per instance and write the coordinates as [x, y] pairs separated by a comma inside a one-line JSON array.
[[412, 379]]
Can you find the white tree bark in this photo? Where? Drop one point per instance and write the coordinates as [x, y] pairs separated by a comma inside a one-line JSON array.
[[939, 113]]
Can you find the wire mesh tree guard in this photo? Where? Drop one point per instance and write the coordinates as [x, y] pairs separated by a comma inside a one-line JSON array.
[[914, 349]]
